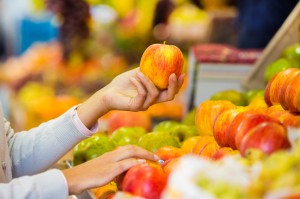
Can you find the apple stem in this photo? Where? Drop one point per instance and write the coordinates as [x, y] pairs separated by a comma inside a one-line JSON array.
[[165, 42]]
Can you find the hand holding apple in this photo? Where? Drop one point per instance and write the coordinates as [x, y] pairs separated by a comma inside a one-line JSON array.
[[159, 61]]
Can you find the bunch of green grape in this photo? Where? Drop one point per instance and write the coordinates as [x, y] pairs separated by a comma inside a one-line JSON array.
[[279, 171]]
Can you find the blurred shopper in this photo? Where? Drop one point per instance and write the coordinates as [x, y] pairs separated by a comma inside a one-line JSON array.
[[27, 156], [259, 20]]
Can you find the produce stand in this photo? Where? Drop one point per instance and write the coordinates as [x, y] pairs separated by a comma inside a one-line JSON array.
[[215, 67], [212, 67]]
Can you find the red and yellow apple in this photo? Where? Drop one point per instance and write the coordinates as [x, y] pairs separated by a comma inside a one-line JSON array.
[[209, 149], [222, 124], [169, 152], [117, 119], [207, 112], [145, 180], [243, 123], [201, 143], [159, 61], [291, 100], [266, 136], [188, 144], [277, 85], [223, 152]]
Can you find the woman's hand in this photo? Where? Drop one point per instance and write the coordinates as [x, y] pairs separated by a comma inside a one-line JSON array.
[[133, 91], [101, 170], [130, 91]]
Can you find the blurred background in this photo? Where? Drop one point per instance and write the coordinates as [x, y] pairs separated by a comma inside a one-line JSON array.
[[55, 53]]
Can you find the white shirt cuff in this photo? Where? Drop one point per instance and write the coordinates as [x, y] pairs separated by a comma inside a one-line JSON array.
[[80, 126]]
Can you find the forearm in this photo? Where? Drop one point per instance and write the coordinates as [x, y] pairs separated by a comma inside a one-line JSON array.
[[36, 150], [47, 185]]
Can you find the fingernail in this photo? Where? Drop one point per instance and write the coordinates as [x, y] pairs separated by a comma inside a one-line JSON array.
[[141, 161], [160, 161]]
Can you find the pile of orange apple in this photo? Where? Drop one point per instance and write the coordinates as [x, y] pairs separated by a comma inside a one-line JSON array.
[[284, 89]]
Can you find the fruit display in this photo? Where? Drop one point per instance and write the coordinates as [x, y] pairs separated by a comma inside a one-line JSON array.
[[236, 144]]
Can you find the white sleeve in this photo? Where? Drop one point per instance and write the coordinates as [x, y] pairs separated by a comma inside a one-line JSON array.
[[36, 150], [47, 185]]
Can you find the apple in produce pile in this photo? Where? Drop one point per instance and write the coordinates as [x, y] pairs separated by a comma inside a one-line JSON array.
[[267, 136], [92, 147], [127, 135], [251, 94], [222, 124], [159, 61], [202, 143], [177, 129], [276, 89], [207, 112], [117, 119], [169, 152], [152, 141], [243, 123], [235, 96], [188, 144], [275, 67], [146, 180], [292, 53], [223, 152]]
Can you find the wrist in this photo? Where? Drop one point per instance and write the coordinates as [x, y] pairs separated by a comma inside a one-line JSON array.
[[92, 109]]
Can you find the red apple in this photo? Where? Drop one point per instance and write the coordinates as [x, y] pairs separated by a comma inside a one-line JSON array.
[[169, 152], [224, 151], [117, 119], [242, 125], [201, 143], [159, 61], [267, 136], [209, 149], [170, 165], [207, 112], [268, 94], [222, 124], [282, 90], [276, 86], [233, 127], [292, 95], [145, 180]]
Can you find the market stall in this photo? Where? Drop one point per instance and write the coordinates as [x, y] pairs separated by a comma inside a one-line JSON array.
[[232, 130]]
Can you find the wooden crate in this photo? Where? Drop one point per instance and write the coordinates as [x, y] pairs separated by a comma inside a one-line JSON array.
[[288, 34]]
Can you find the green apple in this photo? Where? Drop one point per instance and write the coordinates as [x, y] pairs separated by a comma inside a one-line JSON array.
[[165, 125], [275, 67], [157, 139], [292, 53], [92, 147], [251, 94], [235, 96], [182, 131], [127, 135], [189, 118]]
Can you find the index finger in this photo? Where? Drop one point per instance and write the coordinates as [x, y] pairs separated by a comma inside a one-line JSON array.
[[131, 151]]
